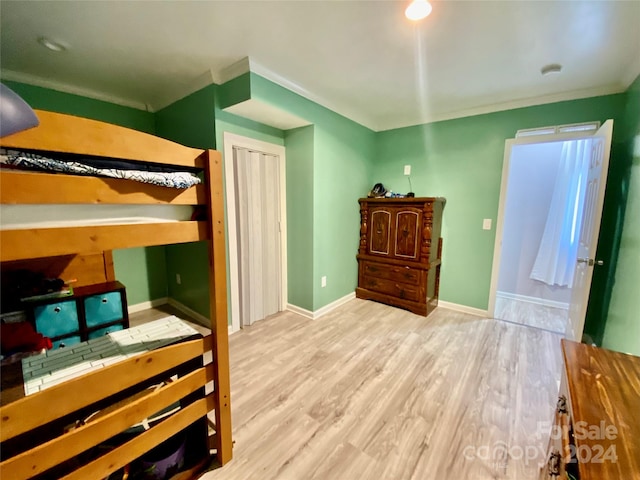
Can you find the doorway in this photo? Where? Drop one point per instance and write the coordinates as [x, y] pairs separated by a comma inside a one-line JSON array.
[[541, 215], [256, 220]]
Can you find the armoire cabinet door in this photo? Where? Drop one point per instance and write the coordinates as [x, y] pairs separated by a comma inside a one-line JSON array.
[[407, 233], [380, 231]]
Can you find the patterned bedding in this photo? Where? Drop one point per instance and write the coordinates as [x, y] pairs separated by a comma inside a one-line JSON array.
[[101, 168]]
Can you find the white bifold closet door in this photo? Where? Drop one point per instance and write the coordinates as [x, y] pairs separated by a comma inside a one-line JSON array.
[[257, 188]]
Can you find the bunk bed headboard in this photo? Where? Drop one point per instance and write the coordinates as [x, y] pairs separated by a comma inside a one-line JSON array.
[[58, 132]]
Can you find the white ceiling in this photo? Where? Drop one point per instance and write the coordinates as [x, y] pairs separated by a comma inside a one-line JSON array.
[[362, 59]]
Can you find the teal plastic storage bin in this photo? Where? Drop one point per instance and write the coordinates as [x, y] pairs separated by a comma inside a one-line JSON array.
[[104, 331], [56, 319], [103, 308]]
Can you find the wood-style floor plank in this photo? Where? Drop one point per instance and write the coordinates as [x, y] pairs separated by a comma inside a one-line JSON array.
[[369, 391]]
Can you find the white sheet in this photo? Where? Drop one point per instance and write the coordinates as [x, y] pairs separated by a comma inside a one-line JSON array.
[[14, 217]]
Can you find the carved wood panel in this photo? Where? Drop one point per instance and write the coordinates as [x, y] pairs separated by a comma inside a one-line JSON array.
[[380, 226], [407, 233]]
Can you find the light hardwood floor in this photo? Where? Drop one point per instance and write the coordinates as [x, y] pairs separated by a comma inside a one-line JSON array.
[[532, 314], [371, 391]]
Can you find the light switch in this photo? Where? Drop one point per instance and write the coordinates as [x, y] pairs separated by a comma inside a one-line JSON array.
[[486, 224], [407, 169]]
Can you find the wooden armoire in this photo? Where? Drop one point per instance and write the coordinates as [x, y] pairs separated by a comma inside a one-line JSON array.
[[400, 252]]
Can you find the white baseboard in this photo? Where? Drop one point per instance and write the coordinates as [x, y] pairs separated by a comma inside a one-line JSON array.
[[138, 307], [201, 319], [323, 310], [300, 311], [463, 308], [536, 300]]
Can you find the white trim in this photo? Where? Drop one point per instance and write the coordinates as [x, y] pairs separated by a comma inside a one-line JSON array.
[[139, 307], [322, 310], [499, 107], [535, 300], [497, 246], [342, 110], [300, 311], [333, 305], [463, 308], [232, 140], [199, 318], [66, 88], [376, 124], [632, 72], [506, 162], [232, 71]]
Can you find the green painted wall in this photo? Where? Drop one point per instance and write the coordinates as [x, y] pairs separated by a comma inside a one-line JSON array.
[[140, 270], [189, 121], [55, 101], [622, 329], [342, 164], [461, 160], [143, 271], [300, 194], [342, 161], [234, 91], [335, 161]]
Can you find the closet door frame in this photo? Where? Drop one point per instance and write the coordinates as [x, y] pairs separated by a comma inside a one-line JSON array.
[[232, 140]]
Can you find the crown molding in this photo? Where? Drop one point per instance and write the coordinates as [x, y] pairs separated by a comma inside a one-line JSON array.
[[72, 89], [278, 79], [203, 80], [511, 105], [247, 65], [632, 72], [234, 70]]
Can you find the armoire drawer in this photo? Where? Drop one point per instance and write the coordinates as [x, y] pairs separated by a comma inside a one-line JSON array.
[[397, 289], [103, 308], [393, 272], [56, 319]]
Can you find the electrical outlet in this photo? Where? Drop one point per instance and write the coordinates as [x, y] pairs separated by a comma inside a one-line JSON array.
[[407, 169], [323, 281], [178, 279], [486, 224]]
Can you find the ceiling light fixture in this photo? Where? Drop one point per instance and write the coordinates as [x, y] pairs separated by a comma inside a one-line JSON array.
[[418, 9], [52, 45], [551, 68]]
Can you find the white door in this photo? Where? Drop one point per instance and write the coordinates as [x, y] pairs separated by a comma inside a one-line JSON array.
[[592, 213], [257, 188], [256, 223]]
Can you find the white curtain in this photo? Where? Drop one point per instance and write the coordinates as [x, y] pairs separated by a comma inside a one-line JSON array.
[[555, 262], [258, 220]]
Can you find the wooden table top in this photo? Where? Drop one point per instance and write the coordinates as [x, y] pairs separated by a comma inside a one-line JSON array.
[[604, 390]]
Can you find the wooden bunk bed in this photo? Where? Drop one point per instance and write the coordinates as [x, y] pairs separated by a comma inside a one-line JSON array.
[[37, 415]]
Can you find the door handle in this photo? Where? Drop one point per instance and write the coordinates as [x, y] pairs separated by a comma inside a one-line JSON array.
[[590, 261]]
